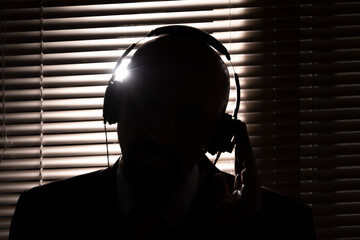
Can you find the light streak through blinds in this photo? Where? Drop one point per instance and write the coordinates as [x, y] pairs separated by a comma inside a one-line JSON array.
[[56, 64]]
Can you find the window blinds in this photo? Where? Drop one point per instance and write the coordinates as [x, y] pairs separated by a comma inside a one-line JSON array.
[[298, 66]]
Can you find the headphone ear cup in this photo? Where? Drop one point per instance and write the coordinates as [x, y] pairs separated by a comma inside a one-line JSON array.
[[112, 101], [224, 133]]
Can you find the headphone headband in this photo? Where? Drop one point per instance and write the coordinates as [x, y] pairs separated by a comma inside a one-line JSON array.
[[193, 33]]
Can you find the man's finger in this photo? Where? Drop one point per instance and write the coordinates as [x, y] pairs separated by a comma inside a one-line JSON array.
[[222, 188], [246, 180], [244, 158], [243, 149], [238, 181]]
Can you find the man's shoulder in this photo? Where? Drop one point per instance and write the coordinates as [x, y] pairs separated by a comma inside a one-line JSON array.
[[275, 202], [281, 217], [272, 200], [74, 186], [81, 200]]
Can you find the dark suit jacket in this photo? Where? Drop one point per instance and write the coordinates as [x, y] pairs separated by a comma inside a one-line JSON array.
[[84, 207]]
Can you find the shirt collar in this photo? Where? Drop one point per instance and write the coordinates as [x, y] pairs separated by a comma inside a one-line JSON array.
[[174, 210]]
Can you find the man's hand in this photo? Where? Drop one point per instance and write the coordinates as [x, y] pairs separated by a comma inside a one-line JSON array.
[[245, 200]]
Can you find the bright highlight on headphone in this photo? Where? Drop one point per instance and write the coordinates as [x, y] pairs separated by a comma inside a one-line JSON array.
[[122, 72]]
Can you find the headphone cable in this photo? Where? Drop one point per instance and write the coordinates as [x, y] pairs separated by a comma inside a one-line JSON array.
[[107, 146]]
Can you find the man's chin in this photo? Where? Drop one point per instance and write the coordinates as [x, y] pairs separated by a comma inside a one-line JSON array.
[[150, 175], [155, 163]]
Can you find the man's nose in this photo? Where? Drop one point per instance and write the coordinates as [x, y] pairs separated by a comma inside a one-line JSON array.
[[163, 128]]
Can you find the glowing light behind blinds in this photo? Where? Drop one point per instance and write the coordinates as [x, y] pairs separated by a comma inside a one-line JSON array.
[[56, 71]]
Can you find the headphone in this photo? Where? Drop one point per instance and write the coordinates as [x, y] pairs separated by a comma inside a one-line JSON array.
[[224, 133]]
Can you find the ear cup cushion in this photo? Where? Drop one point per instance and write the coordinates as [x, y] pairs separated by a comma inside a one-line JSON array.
[[112, 101], [224, 133]]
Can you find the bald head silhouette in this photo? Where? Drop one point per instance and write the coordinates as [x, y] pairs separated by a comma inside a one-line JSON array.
[[178, 90]]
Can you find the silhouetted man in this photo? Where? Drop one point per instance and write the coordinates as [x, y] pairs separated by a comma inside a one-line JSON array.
[[164, 187]]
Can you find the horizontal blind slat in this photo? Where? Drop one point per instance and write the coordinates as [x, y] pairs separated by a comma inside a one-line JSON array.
[[61, 151], [62, 139]]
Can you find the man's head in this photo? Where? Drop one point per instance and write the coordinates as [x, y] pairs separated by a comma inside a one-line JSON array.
[[176, 93]]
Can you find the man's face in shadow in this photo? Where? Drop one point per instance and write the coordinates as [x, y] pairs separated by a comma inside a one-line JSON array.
[[174, 101]]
